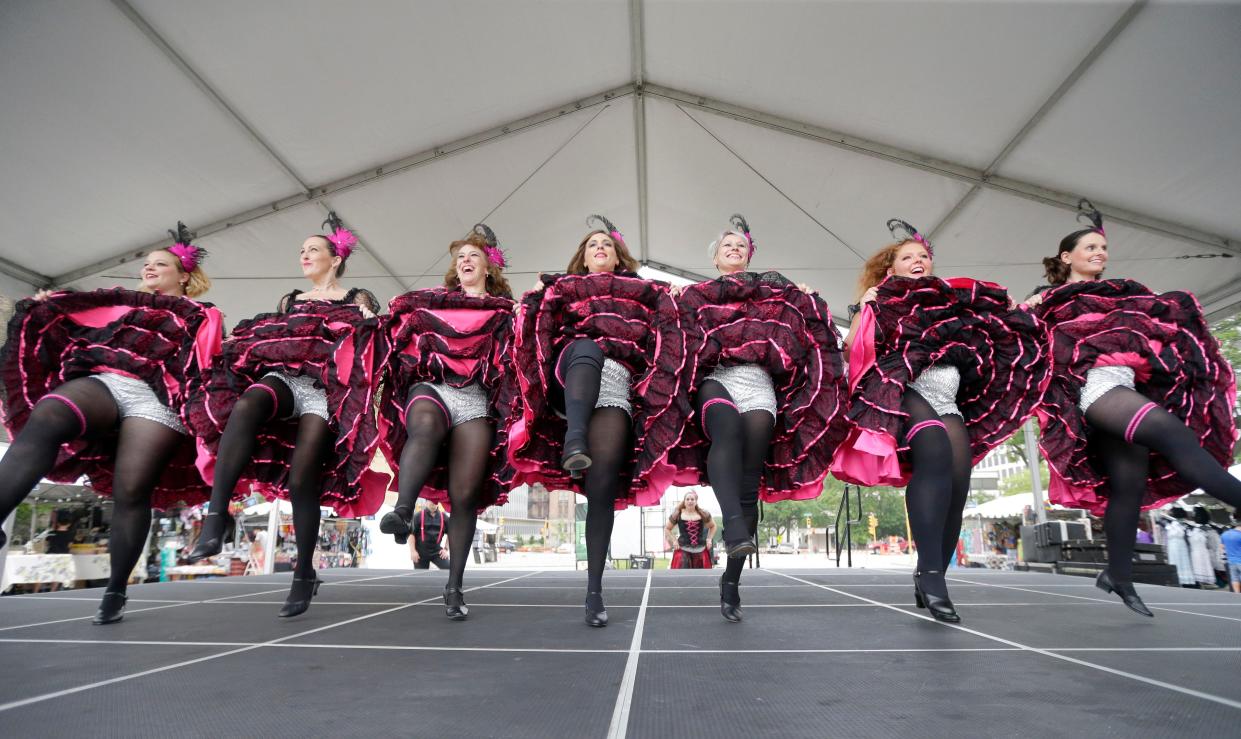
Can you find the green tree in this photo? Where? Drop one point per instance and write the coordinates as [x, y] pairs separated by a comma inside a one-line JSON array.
[[888, 505], [1021, 482], [1228, 333]]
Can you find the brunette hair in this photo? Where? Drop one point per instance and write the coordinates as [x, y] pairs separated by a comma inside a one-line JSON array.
[[495, 282], [1057, 271], [577, 265], [340, 270]]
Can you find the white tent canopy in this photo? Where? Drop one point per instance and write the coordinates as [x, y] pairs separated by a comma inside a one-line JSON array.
[[981, 123]]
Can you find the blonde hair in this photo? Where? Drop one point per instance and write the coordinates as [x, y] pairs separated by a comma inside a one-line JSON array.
[[680, 507], [198, 283], [714, 246]]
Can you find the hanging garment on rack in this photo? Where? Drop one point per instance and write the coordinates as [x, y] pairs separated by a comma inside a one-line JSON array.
[[1199, 555], [1178, 552], [1215, 546]]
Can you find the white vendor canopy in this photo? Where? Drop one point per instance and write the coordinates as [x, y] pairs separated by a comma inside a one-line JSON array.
[[980, 123]]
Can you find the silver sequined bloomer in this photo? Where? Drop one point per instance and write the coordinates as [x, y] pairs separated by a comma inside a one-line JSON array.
[[749, 386], [614, 387], [135, 399], [938, 385], [1101, 379], [307, 396], [462, 403]]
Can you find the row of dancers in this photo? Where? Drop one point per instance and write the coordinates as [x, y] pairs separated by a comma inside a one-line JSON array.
[[617, 387]]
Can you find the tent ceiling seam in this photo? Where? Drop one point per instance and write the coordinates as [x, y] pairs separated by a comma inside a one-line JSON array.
[[637, 54], [771, 184], [211, 93], [895, 155], [941, 167], [24, 274], [366, 247], [365, 177], [1078, 72], [206, 89], [522, 184]]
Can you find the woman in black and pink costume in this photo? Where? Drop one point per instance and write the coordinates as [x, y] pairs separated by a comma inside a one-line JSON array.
[[1139, 409], [766, 373], [689, 531], [941, 372], [448, 386], [286, 408], [95, 384], [605, 348]]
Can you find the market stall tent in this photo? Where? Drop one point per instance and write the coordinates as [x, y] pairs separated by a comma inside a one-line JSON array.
[[982, 123]]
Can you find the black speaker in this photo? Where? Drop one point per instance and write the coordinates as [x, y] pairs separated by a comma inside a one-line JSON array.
[[1056, 532]]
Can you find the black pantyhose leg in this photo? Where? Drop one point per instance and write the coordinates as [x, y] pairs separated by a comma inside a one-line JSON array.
[[52, 423], [314, 438], [1168, 435], [609, 444], [253, 409], [962, 466], [467, 474], [757, 427], [426, 428], [580, 369], [928, 498], [1127, 467], [142, 451], [725, 455]]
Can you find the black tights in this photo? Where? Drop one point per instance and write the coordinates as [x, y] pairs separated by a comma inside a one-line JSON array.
[[143, 448], [579, 370], [735, 463], [469, 447], [254, 409], [609, 446], [142, 451], [937, 491], [1127, 461], [606, 431]]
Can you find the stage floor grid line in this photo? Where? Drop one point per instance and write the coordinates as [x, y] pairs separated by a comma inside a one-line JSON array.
[[822, 652]]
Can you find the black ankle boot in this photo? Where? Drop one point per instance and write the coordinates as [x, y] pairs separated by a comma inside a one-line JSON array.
[[111, 609], [576, 455], [1125, 590], [454, 604], [596, 613], [397, 523], [211, 540], [940, 607], [300, 595], [730, 600], [737, 540]]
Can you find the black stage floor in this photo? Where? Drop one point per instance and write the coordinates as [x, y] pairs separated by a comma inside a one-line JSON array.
[[822, 653]]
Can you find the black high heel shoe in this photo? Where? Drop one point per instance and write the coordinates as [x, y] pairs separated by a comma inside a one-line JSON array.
[[454, 604], [596, 613], [211, 542], [299, 596], [111, 609], [1125, 590], [736, 546], [941, 608], [396, 524], [576, 457], [730, 600]]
